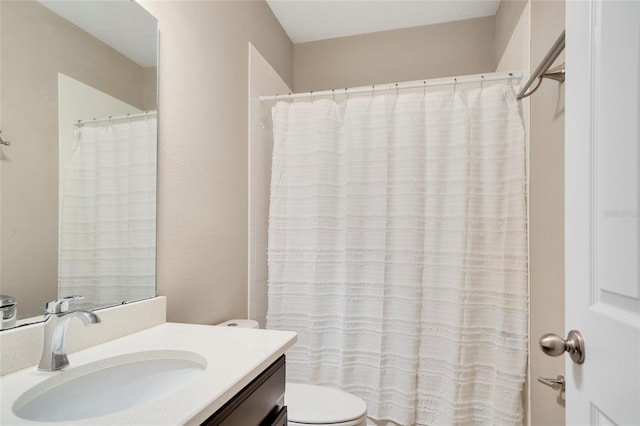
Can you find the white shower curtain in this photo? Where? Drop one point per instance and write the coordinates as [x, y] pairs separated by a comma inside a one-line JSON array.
[[398, 252], [107, 213]]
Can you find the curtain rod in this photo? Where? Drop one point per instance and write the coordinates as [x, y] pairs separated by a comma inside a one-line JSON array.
[[478, 78], [81, 123]]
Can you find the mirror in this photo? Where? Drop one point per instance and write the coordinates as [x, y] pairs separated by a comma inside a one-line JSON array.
[[78, 101]]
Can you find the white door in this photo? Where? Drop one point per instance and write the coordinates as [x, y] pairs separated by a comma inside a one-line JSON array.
[[602, 214]]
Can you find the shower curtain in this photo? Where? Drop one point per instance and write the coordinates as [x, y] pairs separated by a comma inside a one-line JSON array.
[[398, 251], [107, 213]]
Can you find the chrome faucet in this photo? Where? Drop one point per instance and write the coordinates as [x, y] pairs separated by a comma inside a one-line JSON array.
[[54, 356]]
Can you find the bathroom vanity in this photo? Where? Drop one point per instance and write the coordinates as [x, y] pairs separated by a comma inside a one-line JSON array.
[[211, 376], [261, 402]]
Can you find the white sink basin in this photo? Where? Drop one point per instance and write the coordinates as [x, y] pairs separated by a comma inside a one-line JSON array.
[[109, 385]]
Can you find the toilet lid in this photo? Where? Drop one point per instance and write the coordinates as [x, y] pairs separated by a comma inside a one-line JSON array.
[[313, 404]]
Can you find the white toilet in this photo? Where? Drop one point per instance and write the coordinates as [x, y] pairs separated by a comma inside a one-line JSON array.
[[316, 405]]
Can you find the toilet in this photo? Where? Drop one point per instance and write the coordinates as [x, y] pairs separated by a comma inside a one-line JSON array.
[[337, 407]]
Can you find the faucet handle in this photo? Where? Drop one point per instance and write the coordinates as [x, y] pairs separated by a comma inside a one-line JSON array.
[[60, 305]]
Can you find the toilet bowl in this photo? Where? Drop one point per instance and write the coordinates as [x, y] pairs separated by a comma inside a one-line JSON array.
[[309, 405]]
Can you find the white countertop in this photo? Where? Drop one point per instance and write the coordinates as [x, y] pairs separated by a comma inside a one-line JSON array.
[[234, 357]]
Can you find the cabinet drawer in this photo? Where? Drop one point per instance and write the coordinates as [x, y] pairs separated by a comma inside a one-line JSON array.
[[259, 403], [280, 419]]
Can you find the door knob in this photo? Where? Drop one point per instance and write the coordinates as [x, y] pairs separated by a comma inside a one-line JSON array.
[[554, 345]]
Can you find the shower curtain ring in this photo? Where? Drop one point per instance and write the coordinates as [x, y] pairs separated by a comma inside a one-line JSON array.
[[482, 82], [373, 90], [397, 92], [424, 88], [455, 83], [311, 95], [346, 92], [289, 97], [333, 95]]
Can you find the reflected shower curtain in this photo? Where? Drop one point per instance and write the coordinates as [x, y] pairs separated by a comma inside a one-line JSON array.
[[107, 213], [398, 252]]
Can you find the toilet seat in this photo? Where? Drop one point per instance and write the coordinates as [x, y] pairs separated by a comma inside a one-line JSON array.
[[323, 405]]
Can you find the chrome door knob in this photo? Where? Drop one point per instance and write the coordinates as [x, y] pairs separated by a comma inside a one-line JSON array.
[[554, 345]]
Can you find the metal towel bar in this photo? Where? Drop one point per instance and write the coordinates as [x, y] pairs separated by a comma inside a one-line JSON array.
[[543, 71]]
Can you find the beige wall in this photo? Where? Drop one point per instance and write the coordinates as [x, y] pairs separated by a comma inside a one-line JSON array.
[[36, 44], [202, 152], [512, 40], [546, 214], [442, 50], [150, 89]]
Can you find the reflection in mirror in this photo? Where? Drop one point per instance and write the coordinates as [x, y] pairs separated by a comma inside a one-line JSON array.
[[77, 188]]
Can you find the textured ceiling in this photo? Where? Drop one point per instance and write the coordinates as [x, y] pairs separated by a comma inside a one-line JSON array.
[[309, 20]]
